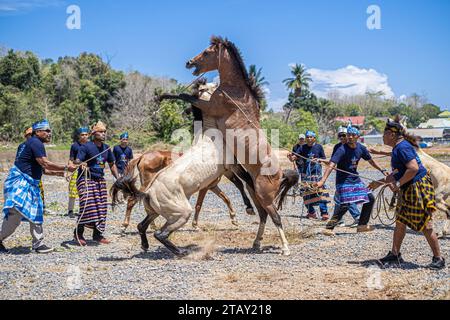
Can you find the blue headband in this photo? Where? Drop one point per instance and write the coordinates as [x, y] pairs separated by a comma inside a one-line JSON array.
[[352, 130], [310, 133], [83, 130], [41, 125], [124, 135]]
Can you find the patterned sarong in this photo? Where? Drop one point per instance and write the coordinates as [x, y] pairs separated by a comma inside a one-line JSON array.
[[351, 193], [416, 204], [93, 203], [73, 191], [22, 193], [308, 177]]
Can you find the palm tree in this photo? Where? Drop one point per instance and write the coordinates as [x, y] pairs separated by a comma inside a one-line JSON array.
[[257, 75], [297, 83], [260, 82], [300, 80]]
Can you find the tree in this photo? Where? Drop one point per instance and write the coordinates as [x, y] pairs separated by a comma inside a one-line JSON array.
[[260, 81], [430, 111], [300, 80], [21, 70]]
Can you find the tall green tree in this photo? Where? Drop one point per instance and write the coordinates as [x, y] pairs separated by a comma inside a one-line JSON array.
[[296, 84], [260, 81]]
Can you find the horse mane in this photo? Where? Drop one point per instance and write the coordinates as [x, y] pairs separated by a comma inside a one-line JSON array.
[[255, 89]]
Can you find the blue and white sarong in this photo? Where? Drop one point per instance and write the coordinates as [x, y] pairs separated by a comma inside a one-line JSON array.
[[351, 193], [22, 193]]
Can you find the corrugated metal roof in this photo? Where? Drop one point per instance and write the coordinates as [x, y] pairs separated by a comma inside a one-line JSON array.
[[435, 123], [427, 133]]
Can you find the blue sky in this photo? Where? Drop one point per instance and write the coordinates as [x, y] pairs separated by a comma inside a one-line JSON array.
[[411, 52]]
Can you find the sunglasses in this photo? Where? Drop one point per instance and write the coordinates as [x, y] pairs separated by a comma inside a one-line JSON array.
[[342, 135], [46, 130]]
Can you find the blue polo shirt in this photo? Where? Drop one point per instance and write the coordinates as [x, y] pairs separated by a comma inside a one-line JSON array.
[[98, 163], [26, 157], [403, 153], [347, 158], [123, 156]]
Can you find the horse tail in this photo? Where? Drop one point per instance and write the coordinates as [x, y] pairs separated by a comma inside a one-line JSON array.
[[127, 183], [290, 179]]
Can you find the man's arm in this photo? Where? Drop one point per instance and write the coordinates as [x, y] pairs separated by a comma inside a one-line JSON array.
[[114, 171], [50, 166], [376, 166], [383, 153], [327, 173]]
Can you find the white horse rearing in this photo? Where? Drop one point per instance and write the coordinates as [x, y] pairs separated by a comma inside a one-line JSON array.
[[169, 193]]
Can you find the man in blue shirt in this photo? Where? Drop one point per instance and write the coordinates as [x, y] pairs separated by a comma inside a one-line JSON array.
[[308, 158], [91, 185], [82, 138], [123, 153], [352, 208], [21, 188], [349, 187]]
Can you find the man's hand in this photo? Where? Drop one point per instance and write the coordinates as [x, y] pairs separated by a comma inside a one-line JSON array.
[[375, 185], [319, 184]]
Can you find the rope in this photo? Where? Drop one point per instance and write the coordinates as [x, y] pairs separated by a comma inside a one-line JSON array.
[[381, 202], [87, 174]]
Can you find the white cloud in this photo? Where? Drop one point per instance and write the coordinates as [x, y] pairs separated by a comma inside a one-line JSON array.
[[350, 80], [11, 6]]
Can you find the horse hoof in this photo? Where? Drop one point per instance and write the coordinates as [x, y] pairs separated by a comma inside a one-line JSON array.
[[182, 253], [195, 226], [285, 252], [256, 247], [250, 211], [235, 222]]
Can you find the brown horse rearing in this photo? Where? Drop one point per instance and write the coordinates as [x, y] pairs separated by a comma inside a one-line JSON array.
[[150, 163], [235, 105]]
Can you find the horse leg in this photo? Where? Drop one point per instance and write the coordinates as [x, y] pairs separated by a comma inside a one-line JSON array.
[[218, 192], [266, 195], [238, 183], [126, 222], [169, 227], [262, 217], [198, 206], [142, 229]]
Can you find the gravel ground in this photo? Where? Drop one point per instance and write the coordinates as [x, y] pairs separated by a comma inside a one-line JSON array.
[[222, 265]]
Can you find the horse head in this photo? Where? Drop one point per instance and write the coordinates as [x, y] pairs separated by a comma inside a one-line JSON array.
[[207, 60]]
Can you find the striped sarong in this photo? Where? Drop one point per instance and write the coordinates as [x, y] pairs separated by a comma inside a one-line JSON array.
[[93, 203], [416, 204], [351, 193], [73, 191]]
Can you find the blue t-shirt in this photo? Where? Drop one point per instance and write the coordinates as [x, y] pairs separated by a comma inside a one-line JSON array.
[[347, 158], [311, 152], [337, 146], [123, 156], [403, 153], [26, 157], [74, 148], [96, 165]]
